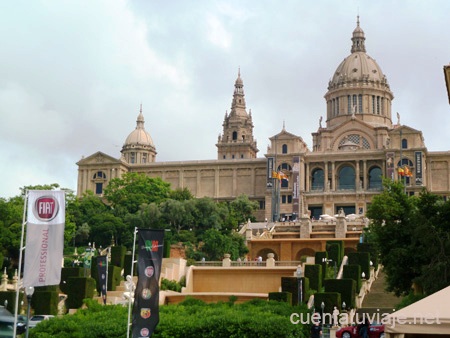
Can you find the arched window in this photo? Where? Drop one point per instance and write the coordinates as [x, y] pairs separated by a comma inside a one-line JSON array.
[[404, 143], [346, 178], [234, 135], [284, 149], [375, 181], [317, 179]]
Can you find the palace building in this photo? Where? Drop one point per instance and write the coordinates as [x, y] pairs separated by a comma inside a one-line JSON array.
[[357, 145]]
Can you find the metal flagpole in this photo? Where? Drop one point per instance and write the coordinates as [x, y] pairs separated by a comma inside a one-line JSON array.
[[131, 286], [25, 204]]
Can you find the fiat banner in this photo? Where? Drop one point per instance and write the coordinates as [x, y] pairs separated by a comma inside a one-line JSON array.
[[45, 238], [146, 296]]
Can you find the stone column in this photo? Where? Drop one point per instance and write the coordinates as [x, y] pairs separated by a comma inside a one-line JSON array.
[[341, 225], [333, 176], [307, 177], [305, 227], [4, 285], [357, 177]]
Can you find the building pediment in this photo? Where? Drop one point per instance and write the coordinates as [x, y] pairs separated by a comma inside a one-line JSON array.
[[98, 158]]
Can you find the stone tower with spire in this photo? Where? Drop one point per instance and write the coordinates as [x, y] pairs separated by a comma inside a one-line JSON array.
[[236, 141]]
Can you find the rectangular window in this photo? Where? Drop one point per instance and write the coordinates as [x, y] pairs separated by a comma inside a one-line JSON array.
[[378, 105], [337, 106], [354, 104], [373, 104], [289, 200], [262, 205], [99, 188], [349, 104], [283, 199], [360, 103], [133, 158]]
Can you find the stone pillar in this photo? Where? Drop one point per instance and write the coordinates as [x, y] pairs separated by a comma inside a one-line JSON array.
[[341, 225], [270, 262], [305, 227], [357, 177], [4, 285], [333, 176], [307, 178], [365, 185], [226, 260], [15, 280], [325, 177]]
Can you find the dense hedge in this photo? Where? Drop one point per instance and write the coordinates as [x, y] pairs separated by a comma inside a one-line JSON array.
[[346, 287], [118, 255], [330, 300], [191, 318], [66, 273], [353, 271], [370, 248], [10, 296], [318, 258], [362, 259], [45, 302], [281, 297], [336, 254], [314, 273], [289, 284], [79, 288], [114, 277], [127, 266]]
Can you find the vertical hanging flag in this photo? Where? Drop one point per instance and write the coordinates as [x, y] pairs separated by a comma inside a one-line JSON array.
[[102, 275], [45, 238], [146, 296]]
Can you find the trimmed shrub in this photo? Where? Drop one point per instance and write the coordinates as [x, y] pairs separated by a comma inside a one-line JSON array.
[[330, 299], [66, 273], [314, 273], [362, 259], [318, 258], [127, 266], [118, 255], [333, 253], [114, 277], [79, 288], [370, 248], [353, 271], [346, 287], [10, 296], [45, 302], [281, 297], [289, 284]]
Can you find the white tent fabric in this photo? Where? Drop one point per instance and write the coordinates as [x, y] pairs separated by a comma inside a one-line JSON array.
[[430, 315]]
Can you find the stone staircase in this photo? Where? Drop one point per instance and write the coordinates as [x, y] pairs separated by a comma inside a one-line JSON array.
[[378, 300]]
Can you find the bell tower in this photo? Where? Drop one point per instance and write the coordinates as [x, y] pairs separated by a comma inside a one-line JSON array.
[[236, 141]]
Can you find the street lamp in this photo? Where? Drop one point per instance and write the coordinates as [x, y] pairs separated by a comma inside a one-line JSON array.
[[299, 285], [29, 290], [343, 306]]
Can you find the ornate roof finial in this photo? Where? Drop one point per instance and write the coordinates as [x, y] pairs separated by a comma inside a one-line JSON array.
[[284, 125], [358, 38], [140, 110]]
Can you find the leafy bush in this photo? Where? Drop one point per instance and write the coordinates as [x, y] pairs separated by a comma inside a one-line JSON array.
[[190, 318], [170, 285]]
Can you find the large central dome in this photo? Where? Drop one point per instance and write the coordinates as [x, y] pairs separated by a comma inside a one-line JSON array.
[[358, 88]]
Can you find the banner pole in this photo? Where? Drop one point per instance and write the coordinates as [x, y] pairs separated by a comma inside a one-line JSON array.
[[20, 261], [107, 273], [131, 289]]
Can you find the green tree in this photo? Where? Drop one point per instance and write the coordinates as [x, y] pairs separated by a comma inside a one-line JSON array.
[[132, 190], [241, 210], [181, 194], [412, 236]]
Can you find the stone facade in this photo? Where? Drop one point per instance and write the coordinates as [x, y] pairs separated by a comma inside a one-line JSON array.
[[352, 150]]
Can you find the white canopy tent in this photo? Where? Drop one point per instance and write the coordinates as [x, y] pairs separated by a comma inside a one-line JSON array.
[[429, 317]]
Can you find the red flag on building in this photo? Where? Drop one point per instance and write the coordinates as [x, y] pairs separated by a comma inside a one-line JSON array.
[[146, 296]]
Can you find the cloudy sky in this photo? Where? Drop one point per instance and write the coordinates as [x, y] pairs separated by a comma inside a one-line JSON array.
[[74, 73]]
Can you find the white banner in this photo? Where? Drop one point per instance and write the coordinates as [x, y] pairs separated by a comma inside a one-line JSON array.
[[45, 238]]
